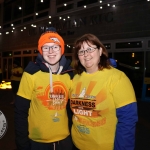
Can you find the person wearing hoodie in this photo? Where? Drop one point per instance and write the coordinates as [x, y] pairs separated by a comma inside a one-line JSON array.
[[41, 120], [102, 99]]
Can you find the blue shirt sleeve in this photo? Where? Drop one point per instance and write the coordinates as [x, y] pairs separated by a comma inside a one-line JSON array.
[[125, 129]]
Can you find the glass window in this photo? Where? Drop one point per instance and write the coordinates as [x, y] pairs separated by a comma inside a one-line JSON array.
[[148, 91], [44, 14], [148, 43], [7, 54], [17, 12], [28, 7], [137, 44], [107, 45], [4, 69], [147, 69], [17, 52], [36, 51], [109, 55], [26, 60], [147, 74], [7, 13], [9, 67], [86, 2], [28, 19], [27, 52], [6, 26], [68, 48], [41, 6], [17, 22], [17, 59], [64, 8], [58, 2], [132, 64]]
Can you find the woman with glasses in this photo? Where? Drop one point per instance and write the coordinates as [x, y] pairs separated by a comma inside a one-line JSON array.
[[41, 120], [102, 100]]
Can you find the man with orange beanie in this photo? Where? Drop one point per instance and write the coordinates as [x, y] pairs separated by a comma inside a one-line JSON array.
[[41, 120]]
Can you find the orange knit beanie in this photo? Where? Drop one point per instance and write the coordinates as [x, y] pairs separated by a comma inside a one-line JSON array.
[[51, 36]]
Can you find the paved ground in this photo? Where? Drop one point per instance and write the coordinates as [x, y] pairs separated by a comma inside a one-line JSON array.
[[8, 143]]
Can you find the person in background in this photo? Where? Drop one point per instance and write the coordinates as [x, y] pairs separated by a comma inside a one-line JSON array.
[[113, 62], [102, 100], [41, 120], [16, 74]]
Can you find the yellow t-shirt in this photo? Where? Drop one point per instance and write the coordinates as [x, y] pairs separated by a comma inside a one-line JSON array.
[[94, 99], [48, 121]]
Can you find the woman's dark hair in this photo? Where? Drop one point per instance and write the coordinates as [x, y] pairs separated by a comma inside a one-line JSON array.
[[92, 39]]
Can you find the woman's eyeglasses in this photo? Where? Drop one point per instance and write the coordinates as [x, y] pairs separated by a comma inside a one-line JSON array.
[[88, 50]]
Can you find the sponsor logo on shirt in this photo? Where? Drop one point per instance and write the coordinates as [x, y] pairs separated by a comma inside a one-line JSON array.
[[85, 105], [56, 100]]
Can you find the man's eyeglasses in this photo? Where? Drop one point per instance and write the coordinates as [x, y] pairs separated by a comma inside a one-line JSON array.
[[47, 48], [88, 50]]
